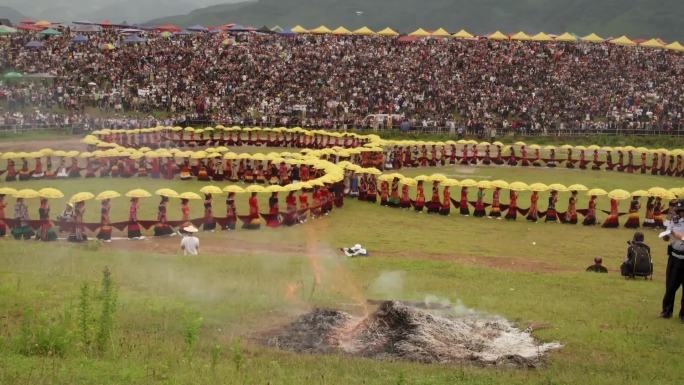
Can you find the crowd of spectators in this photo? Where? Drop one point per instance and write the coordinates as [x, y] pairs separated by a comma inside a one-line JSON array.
[[338, 82]]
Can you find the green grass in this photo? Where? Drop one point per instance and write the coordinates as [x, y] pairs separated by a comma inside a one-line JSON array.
[[602, 320], [529, 273]]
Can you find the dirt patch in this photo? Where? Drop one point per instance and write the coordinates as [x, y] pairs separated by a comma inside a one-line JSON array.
[[516, 264], [74, 143], [220, 243], [397, 330]]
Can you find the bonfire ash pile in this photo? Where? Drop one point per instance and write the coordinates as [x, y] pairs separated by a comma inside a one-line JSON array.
[[399, 331]]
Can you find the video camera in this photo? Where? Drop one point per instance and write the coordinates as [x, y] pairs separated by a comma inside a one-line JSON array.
[[676, 211]]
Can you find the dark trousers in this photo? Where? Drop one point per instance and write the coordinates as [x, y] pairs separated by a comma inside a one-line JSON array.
[[674, 278]]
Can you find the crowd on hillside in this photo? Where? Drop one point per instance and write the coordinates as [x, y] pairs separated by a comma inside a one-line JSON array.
[[335, 82]]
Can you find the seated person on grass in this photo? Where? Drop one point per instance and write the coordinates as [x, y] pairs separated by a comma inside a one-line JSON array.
[[638, 261], [597, 267]]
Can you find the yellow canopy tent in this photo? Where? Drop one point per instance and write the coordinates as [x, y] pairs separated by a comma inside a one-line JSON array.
[[521, 36], [623, 40], [341, 31], [568, 37], [653, 43], [675, 46], [420, 33], [541, 36], [441, 32], [593, 38], [463, 34], [388, 32], [498, 35], [365, 31], [299, 29], [321, 30]]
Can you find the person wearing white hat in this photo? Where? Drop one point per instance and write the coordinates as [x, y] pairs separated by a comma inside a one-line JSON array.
[[190, 243]]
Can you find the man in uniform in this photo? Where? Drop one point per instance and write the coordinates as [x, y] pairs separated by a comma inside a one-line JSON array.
[[674, 274]]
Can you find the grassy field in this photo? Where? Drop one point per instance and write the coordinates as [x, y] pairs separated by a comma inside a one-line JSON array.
[[245, 284]]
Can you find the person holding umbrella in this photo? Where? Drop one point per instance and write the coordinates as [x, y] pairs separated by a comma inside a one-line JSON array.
[[3, 192], [77, 231], [22, 228], [105, 233], [45, 232], [134, 232]]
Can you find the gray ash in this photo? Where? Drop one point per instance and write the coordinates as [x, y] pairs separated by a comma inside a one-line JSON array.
[[400, 331]]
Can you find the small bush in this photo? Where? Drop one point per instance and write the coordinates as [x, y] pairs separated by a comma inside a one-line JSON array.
[[108, 306], [44, 337], [191, 333], [238, 355]]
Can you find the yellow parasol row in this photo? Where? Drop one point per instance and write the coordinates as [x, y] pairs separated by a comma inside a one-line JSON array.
[[498, 35]]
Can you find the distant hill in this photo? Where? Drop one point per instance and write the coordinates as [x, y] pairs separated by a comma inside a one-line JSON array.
[[636, 18], [10, 13]]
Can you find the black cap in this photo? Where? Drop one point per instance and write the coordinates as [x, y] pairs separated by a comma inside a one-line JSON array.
[[679, 205]]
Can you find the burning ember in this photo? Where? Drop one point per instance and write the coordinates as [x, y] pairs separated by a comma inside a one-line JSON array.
[[398, 330]]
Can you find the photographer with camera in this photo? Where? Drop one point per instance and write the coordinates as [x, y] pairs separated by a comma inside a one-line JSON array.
[[674, 274]]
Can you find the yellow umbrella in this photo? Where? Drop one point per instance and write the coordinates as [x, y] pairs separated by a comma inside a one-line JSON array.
[[538, 187], [371, 171], [658, 192], [50, 193], [641, 193], [233, 189], [26, 193], [619, 194], [408, 181], [9, 155], [422, 178], [518, 186], [449, 183], [385, 177], [199, 155], [138, 193], [597, 192], [166, 192], [558, 187], [438, 177], [485, 184], [107, 195], [577, 187], [7, 191], [255, 189], [81, 197], [677, 191], [467, 183], [275, 188], [211, 190], [500, 183], [190, 196]]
